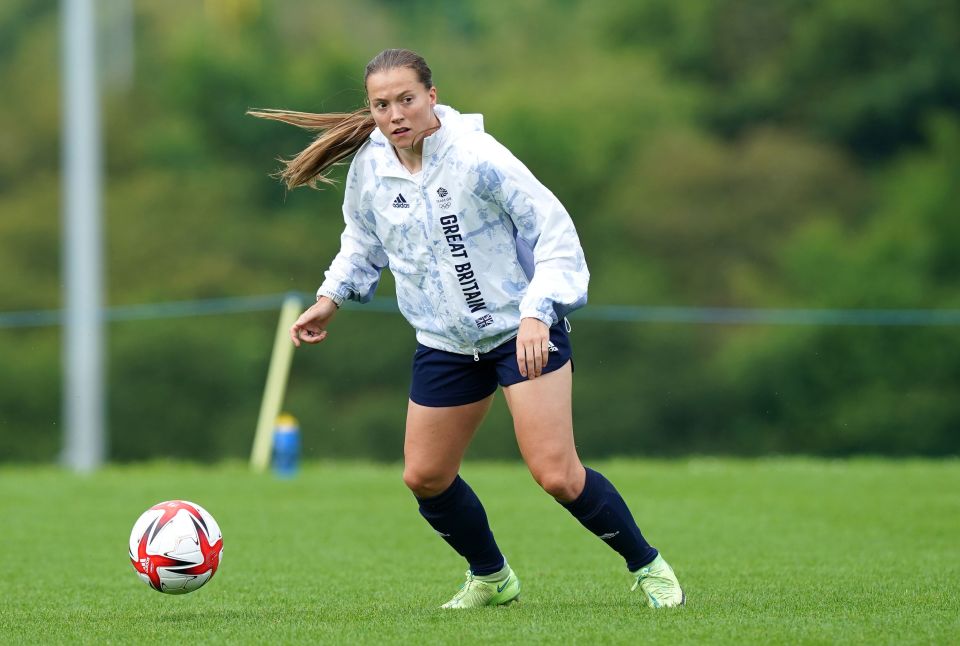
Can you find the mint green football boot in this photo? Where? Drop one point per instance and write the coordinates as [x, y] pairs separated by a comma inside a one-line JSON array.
[[496, 589], [659, 584]]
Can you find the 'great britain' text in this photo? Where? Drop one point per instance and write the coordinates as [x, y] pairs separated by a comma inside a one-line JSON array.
[[465, 276]]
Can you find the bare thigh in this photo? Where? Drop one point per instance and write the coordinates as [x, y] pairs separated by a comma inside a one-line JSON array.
[[435, 442], [542, 411]]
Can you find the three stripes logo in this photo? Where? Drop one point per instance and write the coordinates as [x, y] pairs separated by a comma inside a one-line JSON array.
[[400, 202]]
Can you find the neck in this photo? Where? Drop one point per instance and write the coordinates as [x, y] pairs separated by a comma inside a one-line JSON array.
[[412, 157]]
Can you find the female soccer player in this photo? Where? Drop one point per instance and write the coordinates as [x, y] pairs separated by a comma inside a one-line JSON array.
[[487, 263]]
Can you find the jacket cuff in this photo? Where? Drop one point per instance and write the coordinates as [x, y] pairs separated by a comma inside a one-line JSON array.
[[546, 317], [337, 296]]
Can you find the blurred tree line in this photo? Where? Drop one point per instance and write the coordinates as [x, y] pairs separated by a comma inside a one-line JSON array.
[[712, 152]]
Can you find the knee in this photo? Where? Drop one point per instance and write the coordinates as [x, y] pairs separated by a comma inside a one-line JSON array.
[[426, 484], [563, 484]]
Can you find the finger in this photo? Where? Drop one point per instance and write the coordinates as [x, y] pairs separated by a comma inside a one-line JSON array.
[[295, 334], [312, 335], [521, 360], [544, 354], [531, 361], [537, 361]]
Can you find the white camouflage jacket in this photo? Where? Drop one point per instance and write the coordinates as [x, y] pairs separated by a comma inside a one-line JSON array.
[[474, 241]]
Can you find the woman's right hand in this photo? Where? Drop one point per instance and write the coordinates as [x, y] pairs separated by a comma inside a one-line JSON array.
[[311, 327]]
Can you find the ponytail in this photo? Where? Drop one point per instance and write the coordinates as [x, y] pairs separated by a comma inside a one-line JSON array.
[[342, 134]]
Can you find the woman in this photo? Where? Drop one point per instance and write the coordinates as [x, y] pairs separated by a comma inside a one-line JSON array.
[[487, 263]]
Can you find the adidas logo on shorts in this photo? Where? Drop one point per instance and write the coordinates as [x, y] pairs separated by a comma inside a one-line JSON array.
[[400, 202]]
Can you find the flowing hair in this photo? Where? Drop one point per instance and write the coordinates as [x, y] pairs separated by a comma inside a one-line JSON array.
[[341, 133]]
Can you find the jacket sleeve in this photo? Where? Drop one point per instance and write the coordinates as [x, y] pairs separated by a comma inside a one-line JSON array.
[[547, 243], [355, 271]]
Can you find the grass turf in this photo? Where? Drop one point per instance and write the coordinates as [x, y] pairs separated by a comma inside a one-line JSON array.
[[769, 551]]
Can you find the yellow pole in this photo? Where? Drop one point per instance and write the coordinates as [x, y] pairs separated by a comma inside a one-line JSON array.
[[276, 385]]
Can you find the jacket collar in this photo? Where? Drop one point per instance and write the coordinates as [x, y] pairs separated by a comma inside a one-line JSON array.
[[452, 126]]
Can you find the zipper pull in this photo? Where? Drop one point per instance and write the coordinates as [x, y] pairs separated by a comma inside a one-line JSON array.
[[476, 355]]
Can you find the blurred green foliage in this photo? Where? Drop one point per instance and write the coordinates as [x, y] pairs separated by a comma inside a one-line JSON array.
[[712, 152]]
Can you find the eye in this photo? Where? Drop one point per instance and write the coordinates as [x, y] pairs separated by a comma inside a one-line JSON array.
[[408, 99]]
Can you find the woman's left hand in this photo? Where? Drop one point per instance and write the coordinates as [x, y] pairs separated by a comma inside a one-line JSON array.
[[533, 347]]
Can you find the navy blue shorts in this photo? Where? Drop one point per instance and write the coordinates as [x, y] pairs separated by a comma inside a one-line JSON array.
[[448, 379]]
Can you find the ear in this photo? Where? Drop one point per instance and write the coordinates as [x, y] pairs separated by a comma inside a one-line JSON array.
[[433, 96]]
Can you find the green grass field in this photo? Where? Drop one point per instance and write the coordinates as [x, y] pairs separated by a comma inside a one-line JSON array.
[[771, 551]]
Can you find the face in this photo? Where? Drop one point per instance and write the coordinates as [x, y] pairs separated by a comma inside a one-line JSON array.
[[401, 106]]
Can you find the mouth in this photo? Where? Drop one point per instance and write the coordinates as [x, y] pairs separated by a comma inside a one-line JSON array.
[[399, 132]]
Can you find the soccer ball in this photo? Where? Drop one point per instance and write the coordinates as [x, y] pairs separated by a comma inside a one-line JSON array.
[[175, 546]]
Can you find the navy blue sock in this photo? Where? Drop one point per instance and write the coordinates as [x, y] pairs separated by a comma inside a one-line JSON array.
[[459, 518], [600, 509]]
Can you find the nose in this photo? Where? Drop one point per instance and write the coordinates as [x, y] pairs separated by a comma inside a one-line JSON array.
[[395, 114]]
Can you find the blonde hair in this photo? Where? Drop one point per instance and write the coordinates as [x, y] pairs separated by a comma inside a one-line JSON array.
[[341, 133]]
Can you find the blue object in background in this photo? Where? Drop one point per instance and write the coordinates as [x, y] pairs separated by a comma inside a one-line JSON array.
[[286, 446]]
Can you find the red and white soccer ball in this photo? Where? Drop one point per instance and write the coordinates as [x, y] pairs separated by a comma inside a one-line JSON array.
[[175, 546]]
